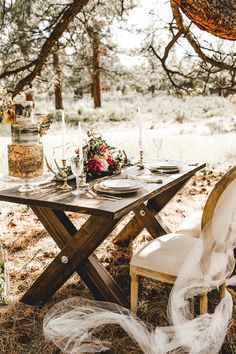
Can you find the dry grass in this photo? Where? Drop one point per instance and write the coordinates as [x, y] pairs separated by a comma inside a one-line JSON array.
[[30, 252]]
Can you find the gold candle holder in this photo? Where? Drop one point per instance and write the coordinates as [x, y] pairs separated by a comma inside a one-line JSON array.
[[65, 186]]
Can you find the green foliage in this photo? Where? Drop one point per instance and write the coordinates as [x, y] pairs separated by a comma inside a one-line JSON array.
[[2, 277]]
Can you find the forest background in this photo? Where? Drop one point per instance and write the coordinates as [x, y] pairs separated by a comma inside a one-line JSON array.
[[102, 61]]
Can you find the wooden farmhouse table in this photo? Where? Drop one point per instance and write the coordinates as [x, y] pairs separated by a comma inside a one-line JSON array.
[[77, 246]]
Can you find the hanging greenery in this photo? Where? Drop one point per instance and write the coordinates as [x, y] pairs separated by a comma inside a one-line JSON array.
[[3, 276]]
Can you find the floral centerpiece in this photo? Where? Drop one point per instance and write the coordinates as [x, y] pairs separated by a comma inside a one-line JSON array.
[[100, 159], [7, 108]]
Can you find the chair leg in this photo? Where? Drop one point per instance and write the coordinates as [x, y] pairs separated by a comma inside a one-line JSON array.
[[134, 294], [222, 289], [203, 303]]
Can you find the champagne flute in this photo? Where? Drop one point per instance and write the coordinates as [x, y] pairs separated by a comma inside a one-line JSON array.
[[77, 167]]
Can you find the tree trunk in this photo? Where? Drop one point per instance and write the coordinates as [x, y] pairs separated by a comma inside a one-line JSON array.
[[217, 17], [29, 96], [57, 83], [96, 86]]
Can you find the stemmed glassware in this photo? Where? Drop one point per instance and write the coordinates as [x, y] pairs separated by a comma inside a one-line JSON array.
[[158, 145], [77, 167], [26, 187]]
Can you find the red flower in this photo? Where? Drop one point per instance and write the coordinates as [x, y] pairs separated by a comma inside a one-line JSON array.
[[110, 160], [95, 166]]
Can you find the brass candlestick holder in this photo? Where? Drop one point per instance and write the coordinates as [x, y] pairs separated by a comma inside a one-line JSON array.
[[65, 186], [141, 164]]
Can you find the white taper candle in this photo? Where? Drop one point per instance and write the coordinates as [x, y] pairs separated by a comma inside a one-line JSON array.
[[63, 135], [80, 140], [140, 125]]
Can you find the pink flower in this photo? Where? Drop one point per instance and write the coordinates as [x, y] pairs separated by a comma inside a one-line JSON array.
[[95, 165]]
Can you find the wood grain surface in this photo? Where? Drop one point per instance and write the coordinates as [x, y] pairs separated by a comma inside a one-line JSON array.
[[57, 200]]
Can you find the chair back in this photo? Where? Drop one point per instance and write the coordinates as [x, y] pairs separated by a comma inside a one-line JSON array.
[[216, 193], [218, 223]]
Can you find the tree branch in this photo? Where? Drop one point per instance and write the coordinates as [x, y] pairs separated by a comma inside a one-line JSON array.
[[70, 12], [171, 44], [179, 21], [168, 72], [17, 70]]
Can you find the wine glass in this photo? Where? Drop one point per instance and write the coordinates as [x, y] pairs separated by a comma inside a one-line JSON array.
[[158, 145], [77, 167]]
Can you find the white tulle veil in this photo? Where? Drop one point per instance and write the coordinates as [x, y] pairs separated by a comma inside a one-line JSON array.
[[71, 324]]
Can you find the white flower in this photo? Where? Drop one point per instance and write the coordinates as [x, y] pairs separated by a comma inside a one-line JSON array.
[[105, 164]]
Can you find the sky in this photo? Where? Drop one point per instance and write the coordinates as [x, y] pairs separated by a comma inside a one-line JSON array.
[[140, 18]]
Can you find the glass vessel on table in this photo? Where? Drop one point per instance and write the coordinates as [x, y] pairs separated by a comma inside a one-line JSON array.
[[25, 153], [77, 167], [157, 142]]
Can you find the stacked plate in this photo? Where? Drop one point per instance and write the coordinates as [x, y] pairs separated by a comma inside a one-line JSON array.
[[118, 186], [163, 167]]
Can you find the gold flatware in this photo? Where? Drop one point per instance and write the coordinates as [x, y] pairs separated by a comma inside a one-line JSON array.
[[99, 197], [108, 196]]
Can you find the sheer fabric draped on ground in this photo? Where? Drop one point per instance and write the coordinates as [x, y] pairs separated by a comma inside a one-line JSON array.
[[73, 324]]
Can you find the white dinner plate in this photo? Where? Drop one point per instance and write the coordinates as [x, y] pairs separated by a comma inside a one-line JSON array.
[[162, 166], [120, 184], [160, 170], [97, 187], [167, 167]]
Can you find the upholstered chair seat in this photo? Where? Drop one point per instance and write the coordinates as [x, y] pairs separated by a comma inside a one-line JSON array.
[[166, 255]]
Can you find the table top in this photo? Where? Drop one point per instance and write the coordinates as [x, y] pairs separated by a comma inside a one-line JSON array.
[[55, 199]]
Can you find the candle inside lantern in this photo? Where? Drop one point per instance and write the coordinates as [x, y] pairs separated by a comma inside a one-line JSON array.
[[80, 141], [63, 135], [140, 130]]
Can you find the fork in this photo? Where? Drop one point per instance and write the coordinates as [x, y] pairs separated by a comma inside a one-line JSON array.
[[108, 196], [91, 196], [99, 197]]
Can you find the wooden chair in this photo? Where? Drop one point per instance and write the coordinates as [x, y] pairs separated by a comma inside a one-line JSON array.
[[162, 258]]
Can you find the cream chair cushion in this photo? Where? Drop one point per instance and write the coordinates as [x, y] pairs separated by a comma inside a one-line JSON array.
[[167, 254], [191, 225]]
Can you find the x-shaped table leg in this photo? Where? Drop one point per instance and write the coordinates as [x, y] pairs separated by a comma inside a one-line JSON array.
[[76, 247], [147, 216]]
